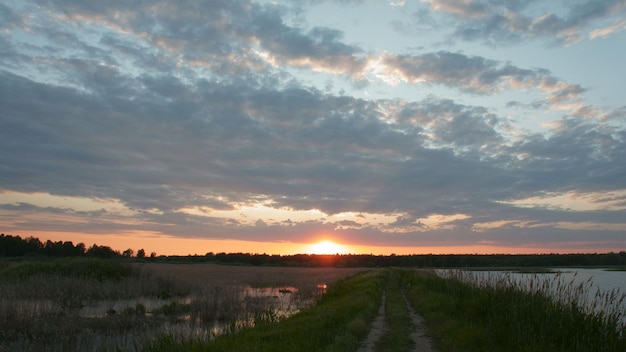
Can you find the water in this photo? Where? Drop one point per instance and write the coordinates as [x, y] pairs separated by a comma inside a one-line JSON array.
[[101, 308], [593, 289], [202, 315], [605, 280]]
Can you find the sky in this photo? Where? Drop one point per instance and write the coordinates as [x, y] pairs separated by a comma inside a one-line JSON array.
[[407, 127]]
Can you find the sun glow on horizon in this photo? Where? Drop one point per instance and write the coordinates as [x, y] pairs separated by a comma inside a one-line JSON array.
[[326, 247]]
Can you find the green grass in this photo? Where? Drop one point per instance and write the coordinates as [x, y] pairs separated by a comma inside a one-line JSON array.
[[463, 317], [338, 322], [397, 336]]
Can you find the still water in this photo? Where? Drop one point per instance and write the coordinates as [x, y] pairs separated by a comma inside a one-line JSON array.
[[593, 289]]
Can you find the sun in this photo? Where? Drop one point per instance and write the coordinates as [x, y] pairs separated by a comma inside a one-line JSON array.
[[326, 247]]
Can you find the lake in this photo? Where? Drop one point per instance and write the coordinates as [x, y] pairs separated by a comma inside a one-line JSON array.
[[595, 289]]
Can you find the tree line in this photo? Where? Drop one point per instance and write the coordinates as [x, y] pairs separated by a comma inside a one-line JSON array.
[[417, 260], [15, 246]]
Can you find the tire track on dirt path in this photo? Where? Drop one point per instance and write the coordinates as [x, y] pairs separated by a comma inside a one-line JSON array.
[[420, 334], [377, 329]]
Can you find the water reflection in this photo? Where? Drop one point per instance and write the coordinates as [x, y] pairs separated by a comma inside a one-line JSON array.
[[592, 289], [137, 306], [206, 314]]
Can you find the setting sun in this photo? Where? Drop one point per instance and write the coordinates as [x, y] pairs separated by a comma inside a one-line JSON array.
[[326, 247]]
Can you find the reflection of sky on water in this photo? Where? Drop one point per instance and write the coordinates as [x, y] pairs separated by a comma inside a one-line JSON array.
[[583, 283], [284, 301], [100, 308]]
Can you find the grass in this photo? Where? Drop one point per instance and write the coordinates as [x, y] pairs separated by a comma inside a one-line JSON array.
[[338, 322], [43, 302], [40, 301], [397, 336], [88, 268], [470, 314]]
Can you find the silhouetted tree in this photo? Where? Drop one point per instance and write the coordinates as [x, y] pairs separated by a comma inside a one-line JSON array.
[[141, 253], [53, 249], [80, 249], [33, 245], [101, 252]]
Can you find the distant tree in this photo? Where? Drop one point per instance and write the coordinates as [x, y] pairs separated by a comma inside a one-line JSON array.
[[152, 255], [101, 252], [80, 249], [33, 245], [53, 249], [11, 246], [141, 253], [68, 248], [128, 253]]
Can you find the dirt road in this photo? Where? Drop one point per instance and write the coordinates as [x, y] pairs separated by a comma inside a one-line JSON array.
[[379, 327]]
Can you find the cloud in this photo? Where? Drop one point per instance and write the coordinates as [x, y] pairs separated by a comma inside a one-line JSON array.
[[444, 122], [466, 9], [209, 121], [475, 74], [9, 19], [240, 39], [226, 37], [607, 31], [291, 149], [72, 204], [575, 201], [319, 49], [397, 3], [498, 22]]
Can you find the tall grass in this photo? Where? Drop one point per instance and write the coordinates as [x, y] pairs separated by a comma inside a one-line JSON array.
[[89, 268], [467, 312], [93, 304], [587, 297], [338, 322], [40, 301]]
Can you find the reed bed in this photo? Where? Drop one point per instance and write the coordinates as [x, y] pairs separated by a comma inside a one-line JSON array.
[[338, 322], [469, 311], [585, 295], [97, 305]]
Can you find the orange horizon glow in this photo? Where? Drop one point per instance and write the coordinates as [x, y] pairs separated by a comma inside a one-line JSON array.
[[167, 245], [327, 247]]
